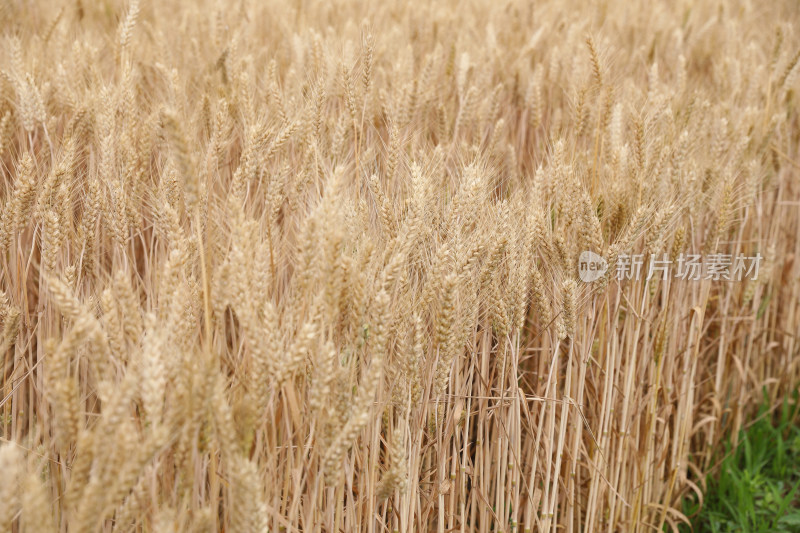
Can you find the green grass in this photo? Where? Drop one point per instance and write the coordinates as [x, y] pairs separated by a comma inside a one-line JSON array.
[[756, 487]]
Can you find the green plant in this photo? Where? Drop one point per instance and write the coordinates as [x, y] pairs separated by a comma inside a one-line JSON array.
[[757, 485]]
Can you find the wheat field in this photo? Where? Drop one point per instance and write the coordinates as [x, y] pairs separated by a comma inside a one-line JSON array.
[[311, 266]]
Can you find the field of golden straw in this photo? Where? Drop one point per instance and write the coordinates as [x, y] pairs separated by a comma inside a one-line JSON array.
[[361, 266]]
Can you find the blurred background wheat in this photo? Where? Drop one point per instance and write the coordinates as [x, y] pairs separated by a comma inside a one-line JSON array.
[[312, 266]]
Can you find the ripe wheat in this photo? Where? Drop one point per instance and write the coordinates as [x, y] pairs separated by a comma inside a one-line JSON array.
[[310, 266]]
